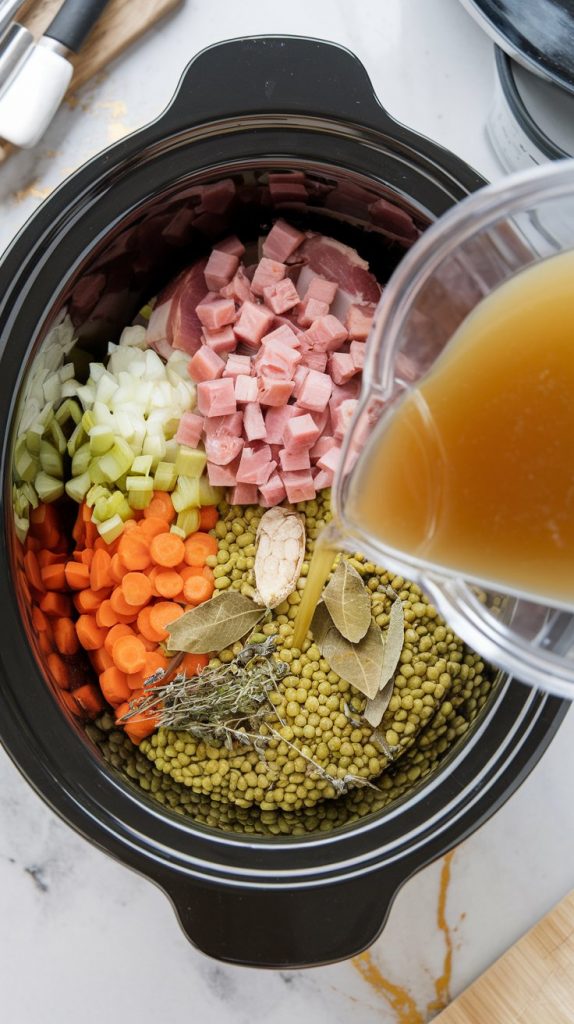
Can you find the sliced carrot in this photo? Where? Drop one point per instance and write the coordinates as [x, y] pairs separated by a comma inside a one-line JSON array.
[[208, 516], [197, 590], [77, 575], [89, 699], [101, 660], [45, 643], [78, 531], [65, 636], [117, 568], [136, 588], [153, 526], [114, 634], [194, 663], [134, 550], [167, 550], [39, 620], [154, 660], [106, 617], [86, 556], [55, 604], [32, 570], [160, 507], [54, 577], [129, 654], [161, 615], [198, 546], [168, 583], [145, 627], [86, 512], [59, 671], [88, 601], [49, 558], [89, 633], [119, 603], [140, 725], [150, 645], [45, 526], [129, 619], [25, 588], [114, 686], [101, 570]]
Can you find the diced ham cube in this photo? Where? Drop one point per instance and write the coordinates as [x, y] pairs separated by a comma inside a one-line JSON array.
[[310, 310], [323, 479], [300, 432], [321, 289], [330, 460], [276, 359], [221, 267], [342, 392], [314, 360], [285, 333], [276, 419], [342, 367], [293, 460], [239, 288], [216, 397], [218, 426], [322, 421], [255, 467], [299, 376], [231, 245], [245, 388], [342, 417], [223, 450], [273, 491], [220, 341], [222, 476], [281, 297], [358, 322], [190, 429], [299, 486], [321, 446], [274, 391], [216, 313], [254, 321], [205, 365], [326, 334], [315, 391], [268, 272], [237, 364], [358, 349], [244, 494], [287, 192], [282, 241], [253, 422], [217, 196]]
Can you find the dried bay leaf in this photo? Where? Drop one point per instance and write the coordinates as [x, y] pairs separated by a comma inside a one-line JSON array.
[[375, 708], [358, 664], [348, 602], [393, 639], [279, 556], [214, 625], [321, 623]]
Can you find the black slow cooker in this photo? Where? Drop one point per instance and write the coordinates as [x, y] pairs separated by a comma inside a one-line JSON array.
[[304, 112]]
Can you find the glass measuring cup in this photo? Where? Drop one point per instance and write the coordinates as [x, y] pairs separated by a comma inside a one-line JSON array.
[[485, 240]]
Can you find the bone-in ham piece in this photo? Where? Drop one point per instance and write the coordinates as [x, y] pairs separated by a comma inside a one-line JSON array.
[[179, 320], [341, 264]]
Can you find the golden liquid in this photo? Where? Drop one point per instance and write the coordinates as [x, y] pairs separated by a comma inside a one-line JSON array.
[[319, 569], [474, 471]]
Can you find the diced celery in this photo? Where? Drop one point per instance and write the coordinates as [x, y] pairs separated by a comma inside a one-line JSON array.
[[125, 510], [21, 527], [188, 521], [47, 415], [101, 440], [64, 413], [88, 421], [114, 505], [95, 492], [30, 493], [21, 504], [142, 464], [48, 487], [171, 450], [111, 529], [117, 461], [139, 483], [101, 510], [58, 436], [78, 487], [75, 410], [209, 495], [165, 477], [51, 460], [186, 494], [145, 312], [81, 460], [25, 464], [77, 439], [190, 461], [139, 499], [178, 531], [97, 476], [33, 437]]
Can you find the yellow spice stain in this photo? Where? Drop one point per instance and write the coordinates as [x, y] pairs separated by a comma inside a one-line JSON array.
[[117, 108], [399, 1000], [442, 983], [117, 130], [32, 191]]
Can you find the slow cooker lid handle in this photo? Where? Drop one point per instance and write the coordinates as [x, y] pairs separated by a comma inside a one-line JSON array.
[[274, 75]]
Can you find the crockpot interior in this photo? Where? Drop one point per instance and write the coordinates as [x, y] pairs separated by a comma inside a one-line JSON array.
[[127, 265]]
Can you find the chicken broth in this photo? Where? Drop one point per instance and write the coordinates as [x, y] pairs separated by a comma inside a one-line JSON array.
[[474, 471]]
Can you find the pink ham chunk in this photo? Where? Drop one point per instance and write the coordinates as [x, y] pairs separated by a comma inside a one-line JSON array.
[[254, 321], [220, 341], [342, 417], [315, 360], [281, 297], [285, 333], [239, 288], [221, 267], [205, 365], [253, 422], [294, 460], [341, 367], [274, 391], [299, 376], [216, 313], [299, 486], [244, 494], [267, 273], [315, 391], [216, 397], [310, 310], [236, 365], [276, 420], [222, 476], [231, 245], [358, 322], [358, 349], [245, 388], [323, 478], [282, 241], [255, 467], [300, 432], [326, 334], [330, 460], [222, 426], [320, 289], [276, 359], [223, 450], [341, 392], [190, 429], [322, 446], [273, 491]]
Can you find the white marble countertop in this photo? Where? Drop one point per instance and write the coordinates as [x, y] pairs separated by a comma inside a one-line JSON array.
[[81, 937]]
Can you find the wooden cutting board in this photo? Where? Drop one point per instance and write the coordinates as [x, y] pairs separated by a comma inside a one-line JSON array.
[[532, 983]]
